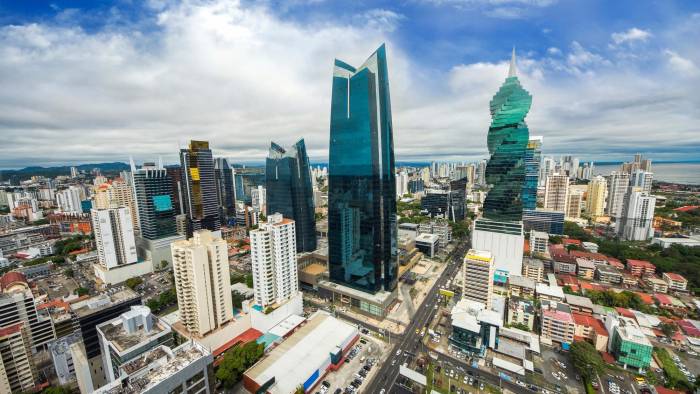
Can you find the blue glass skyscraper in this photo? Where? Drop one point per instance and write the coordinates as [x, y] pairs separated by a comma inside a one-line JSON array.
[[533, 156], [289, 191], [362, 250]]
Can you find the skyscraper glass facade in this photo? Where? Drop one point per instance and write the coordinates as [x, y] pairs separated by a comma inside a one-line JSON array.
[[362, 251], [533, 156], [154, 198], [289, 191], [199, 187], [246, 179], [225, 192], [507, 142]]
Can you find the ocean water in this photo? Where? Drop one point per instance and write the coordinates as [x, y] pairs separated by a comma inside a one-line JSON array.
[[685, 173]]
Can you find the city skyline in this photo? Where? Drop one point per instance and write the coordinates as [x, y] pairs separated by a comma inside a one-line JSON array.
[[635, 70]]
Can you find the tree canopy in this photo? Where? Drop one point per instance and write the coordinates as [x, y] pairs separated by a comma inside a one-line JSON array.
[[236, 361], [586, 359]]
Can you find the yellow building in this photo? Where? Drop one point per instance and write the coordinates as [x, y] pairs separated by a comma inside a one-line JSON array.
[[595, 197]]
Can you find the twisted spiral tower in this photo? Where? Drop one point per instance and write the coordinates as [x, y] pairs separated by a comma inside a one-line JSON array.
[[507, 142]]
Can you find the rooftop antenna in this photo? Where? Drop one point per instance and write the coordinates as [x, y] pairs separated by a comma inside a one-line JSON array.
[[512, 70]]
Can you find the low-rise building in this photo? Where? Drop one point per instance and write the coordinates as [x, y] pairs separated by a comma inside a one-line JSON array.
[[585, 268], [656, 285], [565, 264], [521, 311], [592, 330], [608, 274], [582, 305], [675, 282], [628, 344], [550, 292], [539, 241], [629, 279], [640, 267], [590, 246], [533, 269], [429, 244], [557, 323], [474, 328], [520, 286]]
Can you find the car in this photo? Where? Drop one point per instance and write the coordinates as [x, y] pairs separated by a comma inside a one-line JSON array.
[[481, 386], [325, 384], [338, 391], [398, 352], [393, 362], [382, 391]]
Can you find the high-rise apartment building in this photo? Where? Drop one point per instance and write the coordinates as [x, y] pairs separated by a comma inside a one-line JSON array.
[[639, 163], [18, 305], [617, 188], [274, 260], [202, 282], [154, 196], [574, 200], [17, 371], [635, 221], [500, 230], [289, 191], [555, 192], [225, 189], [199, 187], [642, 179], [595, 197], [114, 236], [477, 276], [362, 223], [533, 157], [69, 200]]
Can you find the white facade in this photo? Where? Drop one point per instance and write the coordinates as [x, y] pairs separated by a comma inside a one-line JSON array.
[[506, 246], [574, 200], [477, 273], [617, 188], [401, 183], [637, 218], [114, 236], [68, 200], [273, 250], [258, 197], [539, 241], [642, 179], [555, 192], [202, 282]]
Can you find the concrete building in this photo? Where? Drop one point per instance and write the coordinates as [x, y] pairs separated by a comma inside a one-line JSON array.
[[474, 328], [642, 179], [533, 269], [628, 344], [585, 268], [18, 305], [656, 285], [69, 200], [574, 201], [580, 304], [118, 193], [274, 261], [595, 197], [640, 267], [557, 324], [608, 274], [637, 217], [187, 368], [17, 371], [202, 282], [539, 241], [520, 286], [675, 282], [62, 359], [617, 188], [592, 330], [555, 192], [304, 357], [429, 244], [478, 271], [521, 311], [441, 228], [128, 336], [505, 241]]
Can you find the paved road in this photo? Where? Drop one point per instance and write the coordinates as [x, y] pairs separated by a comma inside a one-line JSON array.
[[410, 341]]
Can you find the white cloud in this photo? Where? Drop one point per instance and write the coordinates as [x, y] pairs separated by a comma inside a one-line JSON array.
[[682, 65], [631, 35], [554, 51], [381, 19]]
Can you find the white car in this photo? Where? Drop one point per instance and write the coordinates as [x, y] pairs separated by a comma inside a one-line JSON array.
[[398, 352]]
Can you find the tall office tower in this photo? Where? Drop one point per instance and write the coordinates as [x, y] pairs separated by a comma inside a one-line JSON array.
[[258, 197], [637, 217], [533, 157], [225, 189], [477, 276], [246, 180], [617, 188], [481, 172], [73, 172], [18, 305], [595, 197], [175, 174], [289, 192], [69, 200], [555, 192], [17, 371], [199, 187], [574, 200], [500, 230], [202, 282], [425, 175], [154, 197], [362, 250], [642, 179], [121, 194], [569, 166], [274, 256], [114, 237], [547, 168]]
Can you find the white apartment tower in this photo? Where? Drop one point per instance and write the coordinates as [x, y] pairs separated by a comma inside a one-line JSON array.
[[274, 254], [617, 188], [477, 273], [68, 200], [574, 200], [637, 217], [555, 192], [595, 197], [202, 282], [114, 236], [642, 179]]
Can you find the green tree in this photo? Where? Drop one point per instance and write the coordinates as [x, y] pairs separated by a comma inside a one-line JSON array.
[[69, 272], [163, 264], [237, 299], [81, 291], [668, 329], [586, 359], [133, 282], [300, 390], [249, 280], [236, 361], [57, 390]]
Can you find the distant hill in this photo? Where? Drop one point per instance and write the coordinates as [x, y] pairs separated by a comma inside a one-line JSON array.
[[28, 172]]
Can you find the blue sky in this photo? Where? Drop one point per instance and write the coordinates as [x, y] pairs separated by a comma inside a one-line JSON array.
[[98, 80]]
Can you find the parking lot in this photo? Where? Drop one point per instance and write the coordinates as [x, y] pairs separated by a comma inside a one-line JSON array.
[[359, 367], [557, 369]]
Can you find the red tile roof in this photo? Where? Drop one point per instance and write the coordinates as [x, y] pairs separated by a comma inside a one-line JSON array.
[[687, 208], [608, 358], [570, 241], [625, 312], [246, 336], [640, 263], [663, 299], [11, 329], [615, 263], [590, 321], [674, 276], [589, 255], [664, 390], [688, 328], [646, 298], [11, 278]]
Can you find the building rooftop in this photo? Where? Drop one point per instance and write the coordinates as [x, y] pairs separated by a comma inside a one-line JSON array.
[[640, 264], [103, 301], [675, 277], [534, 263], [521, 281], [154, 366], [425, 237], [656, 281], [585, 263], [579, 301], [550, 291], [479, 255], [629, 332], [608, 270], [590, 321], [121, 339]]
